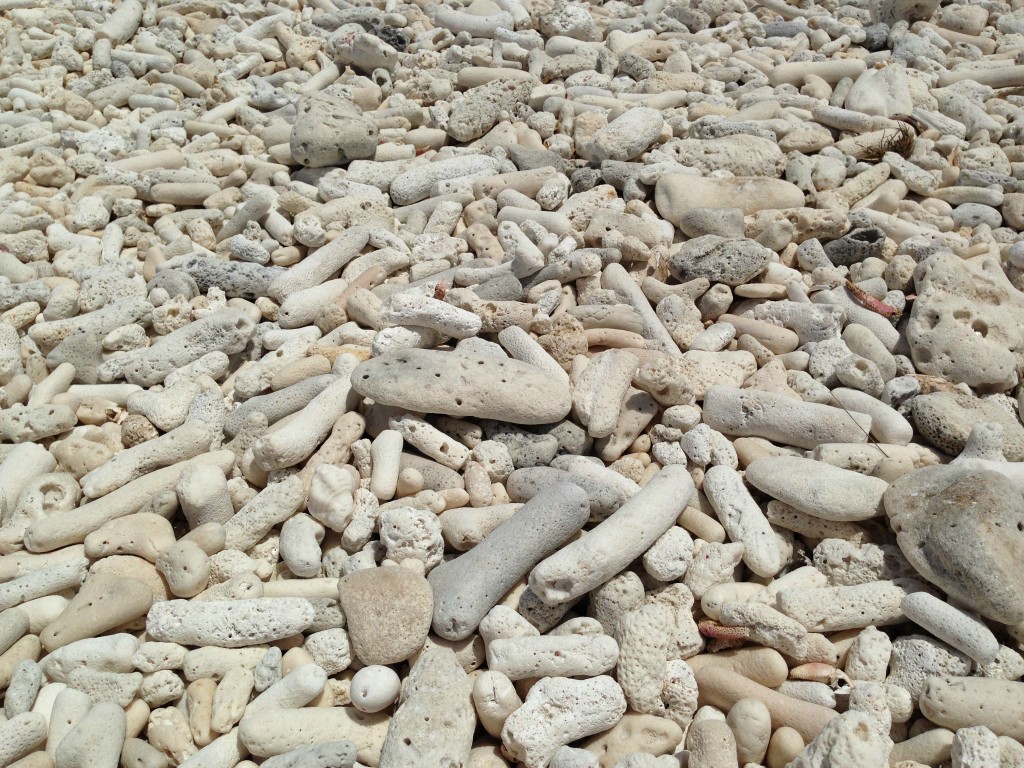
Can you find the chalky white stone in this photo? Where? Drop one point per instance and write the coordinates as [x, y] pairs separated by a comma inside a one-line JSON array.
[[229, 624], [463, 385]]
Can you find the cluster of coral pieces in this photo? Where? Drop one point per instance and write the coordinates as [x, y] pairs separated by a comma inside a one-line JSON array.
[[511, 383]]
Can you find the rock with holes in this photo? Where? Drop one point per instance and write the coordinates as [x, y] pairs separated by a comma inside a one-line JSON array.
[[912, 659], [855, 246], [330, 130], [229, 623], [963, 530], [476, 114], [966, 702], [965, 325], [742, 155], [558, 711], [720, 260], [227, 330], [464, 384], [435, 720], [945, 419]]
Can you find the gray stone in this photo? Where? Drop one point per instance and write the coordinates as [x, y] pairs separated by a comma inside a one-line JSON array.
[[620, 173], [724, 222], [585, 179], [333, 754], [528, 159], [694, 19], [467, 587], [605, 492], [84, 350], [856, 246], [276, 405], [331, 131], [963, 530], [526, 448], [973, 214], [720, 260], [464, 384], [12, 294], [175, 282], [502, 288], [876, 37], [571, 437], [436, 476], [945, 419], [238, 279]]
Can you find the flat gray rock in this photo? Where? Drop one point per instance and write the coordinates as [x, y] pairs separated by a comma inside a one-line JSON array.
[[720, 260], [963, 530], [463, 384]]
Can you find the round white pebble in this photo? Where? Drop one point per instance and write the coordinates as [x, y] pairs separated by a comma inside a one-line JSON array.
[[374, 688]]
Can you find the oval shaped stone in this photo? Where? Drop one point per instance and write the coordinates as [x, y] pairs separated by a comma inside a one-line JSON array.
[[463, 384], [677, 193]]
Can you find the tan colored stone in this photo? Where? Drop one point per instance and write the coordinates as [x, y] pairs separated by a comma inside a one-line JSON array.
[[144, 534], [388, 612], [132, 567], [104, 602], [649, 734]]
